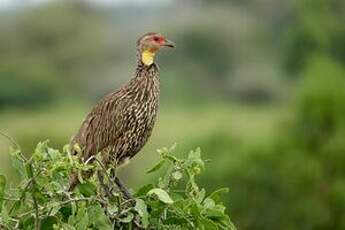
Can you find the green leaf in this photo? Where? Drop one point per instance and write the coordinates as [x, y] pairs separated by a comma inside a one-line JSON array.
[[177, 175], [80, 177], [2, 189], [175, 221], [48, 223], [127, 218], [162, 195], [27, 223], [216, 195], [87, 189], [141, 208], [209, 203], [18, 164], [112, 209], [208, 224], [156, 167], [144, 190], [83, 220], [215, 213], [195, 209], [199, 197], [65, 226], [54, 207], [195, 155], [98, 218], [4, 216], [173, 147], [66, 211], [156, 208], [164, 182], [223, 221], [195, 161]]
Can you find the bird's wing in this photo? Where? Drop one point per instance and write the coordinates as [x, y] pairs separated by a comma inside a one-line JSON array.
[[103, 125]]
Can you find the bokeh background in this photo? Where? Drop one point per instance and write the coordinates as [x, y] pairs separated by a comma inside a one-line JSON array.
[[259, 85]]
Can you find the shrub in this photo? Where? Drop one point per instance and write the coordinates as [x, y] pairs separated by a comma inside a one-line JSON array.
[[295, 179], [41, 200]]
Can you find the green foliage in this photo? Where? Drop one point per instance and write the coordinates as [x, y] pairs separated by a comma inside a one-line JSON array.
[[41, 200], [20, 89], [316, 28], [321, 103], [44, 54], [294, 180], [2, 189]]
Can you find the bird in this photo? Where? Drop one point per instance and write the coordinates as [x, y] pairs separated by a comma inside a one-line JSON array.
[[120, 124]]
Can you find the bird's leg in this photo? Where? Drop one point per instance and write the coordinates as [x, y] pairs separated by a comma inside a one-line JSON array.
[[104, 186], [130, 198], [123, 189], [120, 185]]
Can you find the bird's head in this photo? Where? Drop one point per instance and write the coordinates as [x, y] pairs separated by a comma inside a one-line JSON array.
[[149, 44]]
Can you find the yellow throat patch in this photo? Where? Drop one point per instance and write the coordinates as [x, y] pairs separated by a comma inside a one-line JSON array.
[[147, 57]]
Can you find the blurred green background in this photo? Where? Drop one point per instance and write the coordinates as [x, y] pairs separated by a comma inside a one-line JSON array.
[[259, 85]]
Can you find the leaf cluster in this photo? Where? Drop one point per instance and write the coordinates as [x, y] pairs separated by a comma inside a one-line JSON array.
[[42, 201]]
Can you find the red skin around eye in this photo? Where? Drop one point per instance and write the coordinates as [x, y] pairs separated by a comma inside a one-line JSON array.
[[161, 40]]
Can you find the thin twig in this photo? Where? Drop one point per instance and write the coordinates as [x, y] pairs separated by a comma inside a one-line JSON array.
[[128, 201], [4, 226], [10, 139], [42, 209], [37, 219], [81, 199], [89, 159], [28, 212], [9, 199]]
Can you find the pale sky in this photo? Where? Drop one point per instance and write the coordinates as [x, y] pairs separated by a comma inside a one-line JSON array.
[[129, 2], [14, 3], [5, 3]]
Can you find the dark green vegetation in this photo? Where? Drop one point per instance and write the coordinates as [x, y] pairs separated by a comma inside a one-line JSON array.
[[294, 179], [41, 201], [258, 85]]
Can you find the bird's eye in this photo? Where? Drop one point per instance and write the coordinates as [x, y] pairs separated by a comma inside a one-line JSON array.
[[156, 39]]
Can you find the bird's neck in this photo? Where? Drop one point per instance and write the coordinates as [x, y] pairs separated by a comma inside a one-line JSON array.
[[146, 71], [146, 81], [146, 74], [145, 64]]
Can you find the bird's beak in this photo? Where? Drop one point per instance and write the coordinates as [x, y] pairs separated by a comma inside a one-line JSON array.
[[169, 43]]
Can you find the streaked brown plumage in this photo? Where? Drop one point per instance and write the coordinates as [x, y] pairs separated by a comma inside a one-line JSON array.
[[122, 122]]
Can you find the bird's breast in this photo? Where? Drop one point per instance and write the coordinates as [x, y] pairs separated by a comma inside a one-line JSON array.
[[140, 115]]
